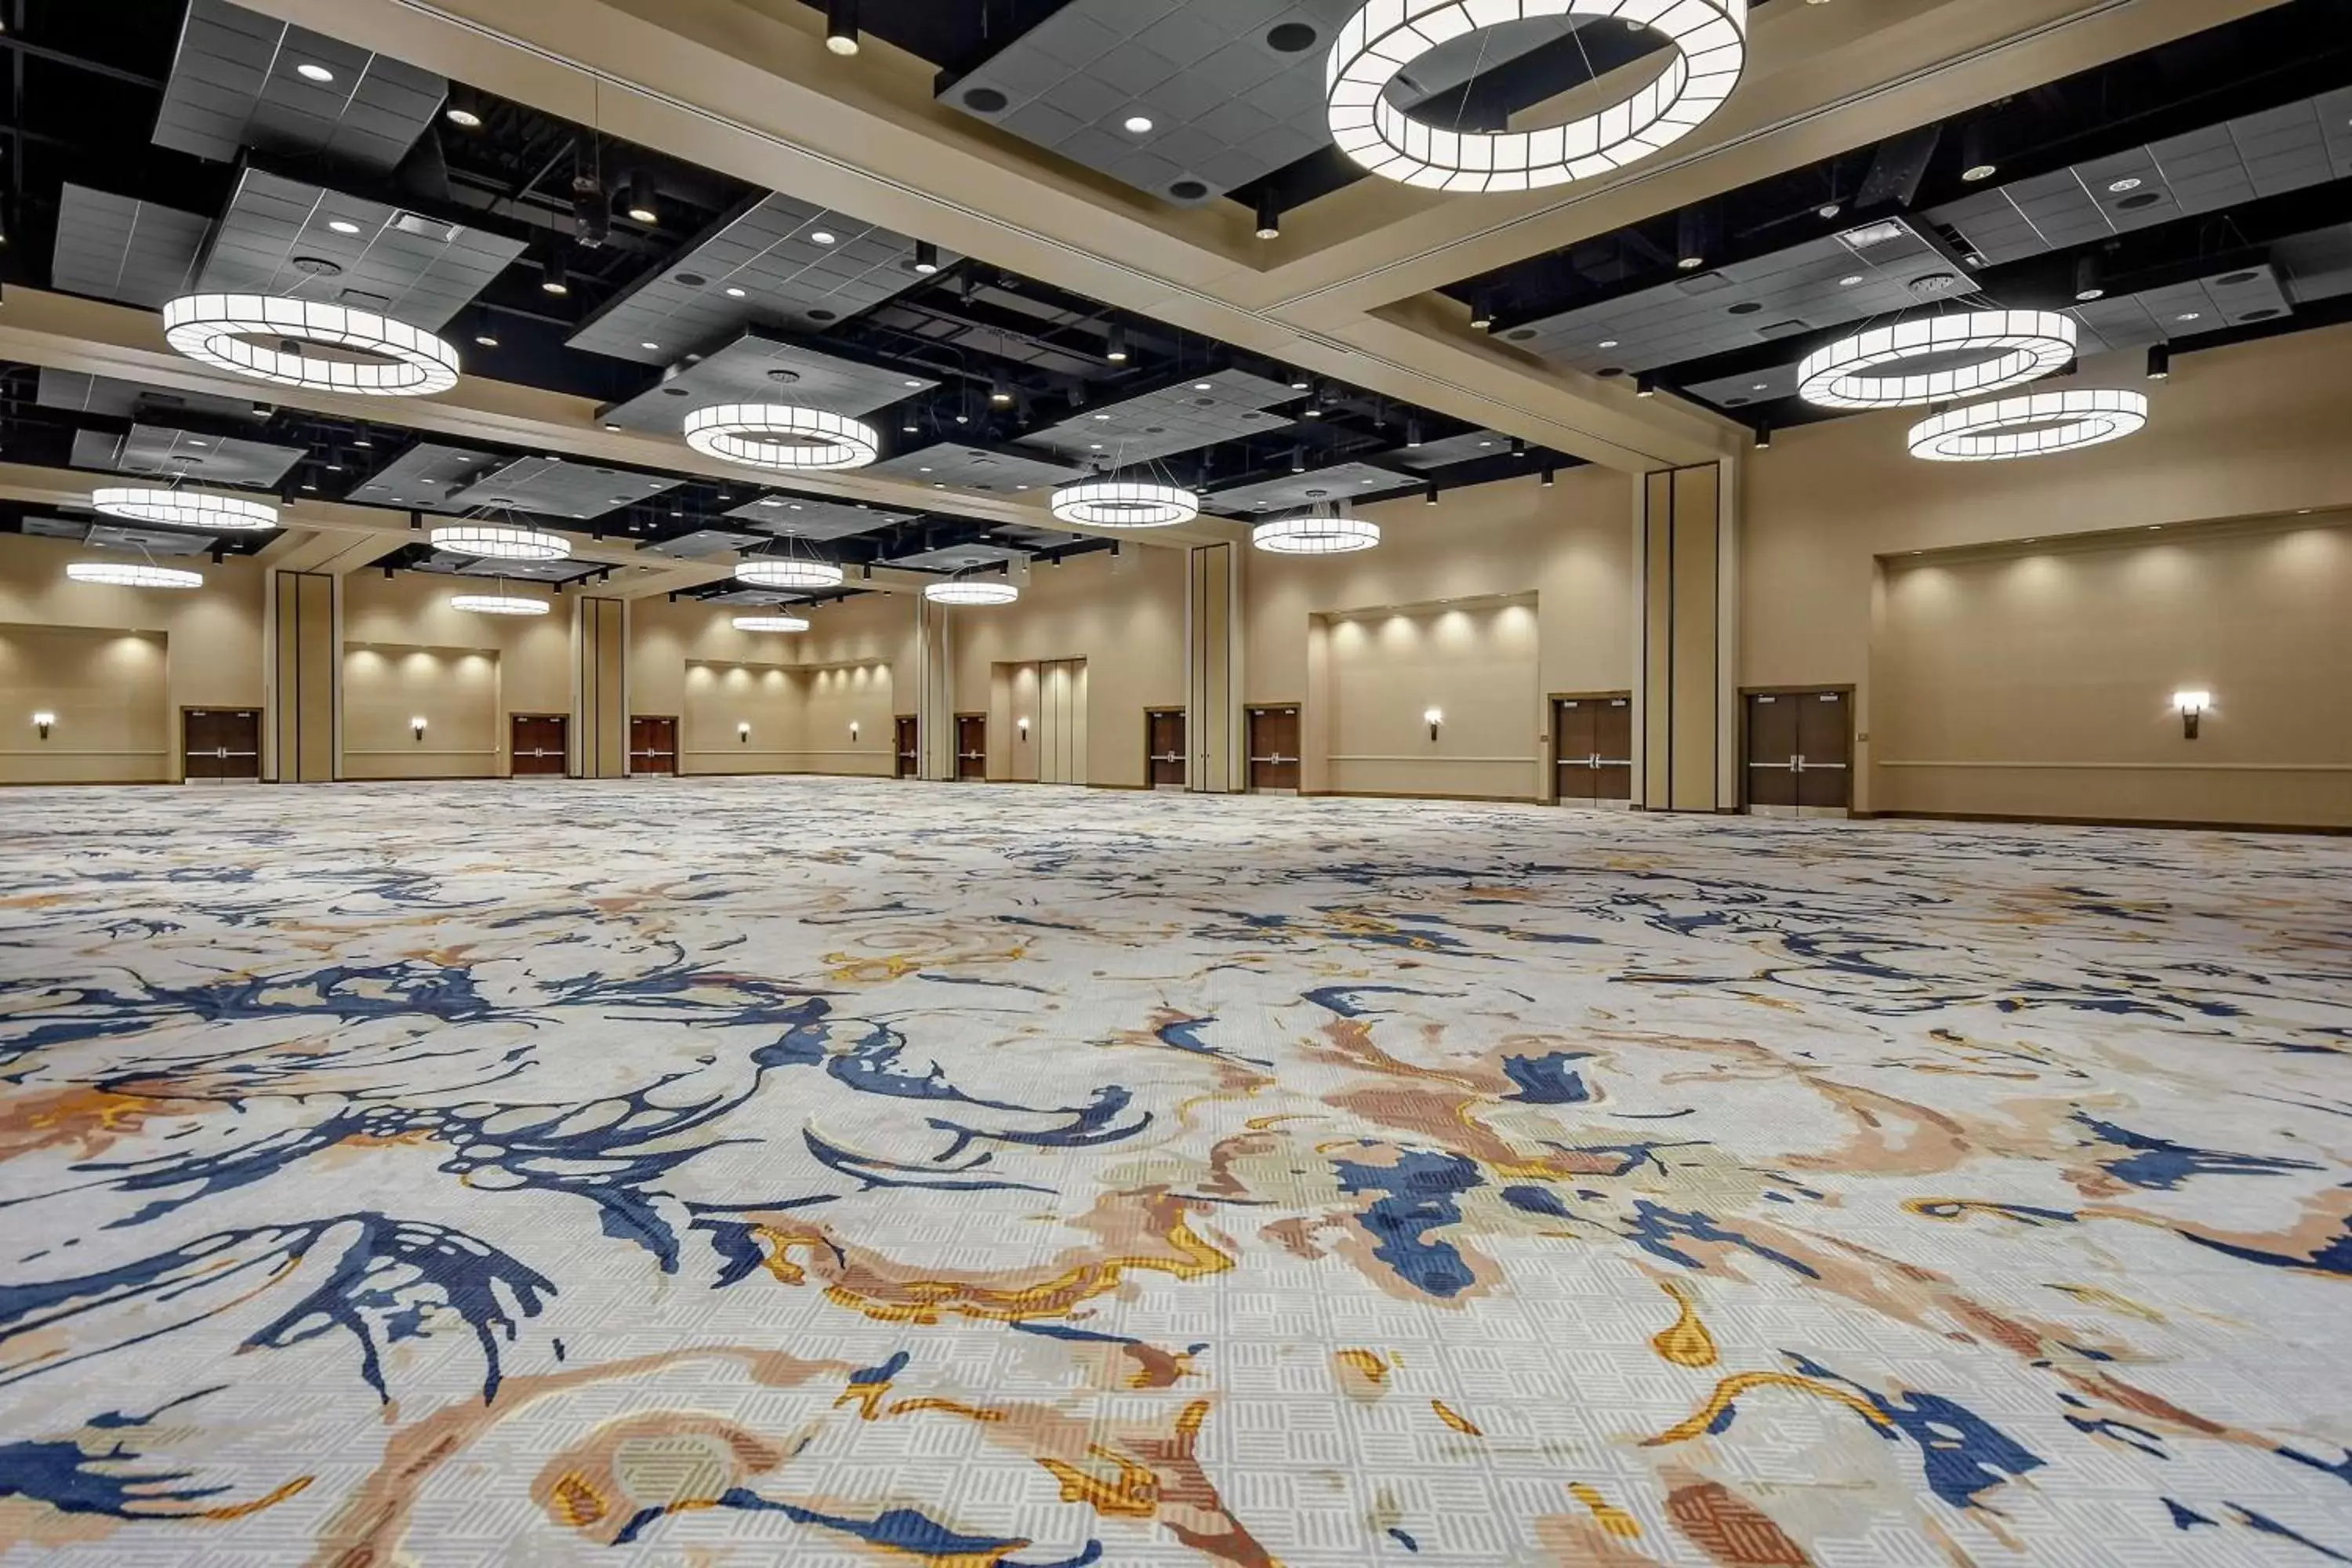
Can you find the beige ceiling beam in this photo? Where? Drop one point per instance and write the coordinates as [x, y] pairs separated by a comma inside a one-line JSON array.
[[66, 332], [747, 87]]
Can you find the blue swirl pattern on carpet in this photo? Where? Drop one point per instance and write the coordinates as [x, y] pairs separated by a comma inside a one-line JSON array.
[[831, 1172]]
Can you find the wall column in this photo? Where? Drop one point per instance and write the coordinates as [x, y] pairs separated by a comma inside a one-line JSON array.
[[302, 712], [1213, 720], [600, 688], [935, 723], [1686, 698]]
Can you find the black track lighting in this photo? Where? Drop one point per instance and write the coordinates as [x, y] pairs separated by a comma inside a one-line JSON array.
[[1301, 382], [1645, 385], [1763, 438], [841, 26], [1694, 238], [1314, 401], [463, 108], [927, 257], [1550, 471], [1000, 394], [1429, 497], [2090, 278], [638, 201], [554, 277], [1269, 215], [1412, 432], [1482, 312], [2159, 362], [1116, 351], [1518, 446], [1975, 154], [1299, 459]]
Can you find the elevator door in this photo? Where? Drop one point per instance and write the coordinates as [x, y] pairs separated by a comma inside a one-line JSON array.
[[652, 744], [1167, 747], [971, 746], [1273, 749], [221, 743], [537, 746], [1800, 754], [910, 748]]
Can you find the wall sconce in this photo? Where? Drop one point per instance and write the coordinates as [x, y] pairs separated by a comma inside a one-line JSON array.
[[2190, 705], [853, 728], [743, 733], [1024, 724], [416, 728], [42, 721], [1434, 718]]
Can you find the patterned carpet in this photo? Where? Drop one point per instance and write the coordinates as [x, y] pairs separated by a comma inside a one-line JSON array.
[[828, 1173]]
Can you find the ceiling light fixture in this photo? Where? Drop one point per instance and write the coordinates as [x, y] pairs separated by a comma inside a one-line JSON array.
[[463, 110], [2159, 362], [786, 571], [1139, 125], [312, 72], [823, 237], [927, 257], [1645, 385], [185, 509], [218, 330], [343, 226], [1320, 532], [500, 542], [1115, 350], [2009, 348], [497, 604], [1384, 39], [639, 200], [841, 26], [2089, 280], [1269, 214], [973, 591], [554, 276], [132, 574], [2120, 186], [2031, 426], [1124, 503], [774, 435], [1482, 312], [771, 624]]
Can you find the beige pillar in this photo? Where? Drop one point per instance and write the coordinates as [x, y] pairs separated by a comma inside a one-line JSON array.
[[1686, 722], [1213, 718], [935, 725], [303, 711], [600, 688]]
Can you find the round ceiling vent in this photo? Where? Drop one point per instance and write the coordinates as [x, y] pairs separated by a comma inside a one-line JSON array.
[[1520, 334], [1317, 495], [1292, 39], [824, 315], [984, 101], [317, 266], [2264, 314], [2140, 199], [1611, 370], [674, 392], [1934, 285], [1188, 190], [783, 377], [1746, 308], [2231, 279]]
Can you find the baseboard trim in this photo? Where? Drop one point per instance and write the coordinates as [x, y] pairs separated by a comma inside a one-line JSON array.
[[2184, 824], [1417, 794]]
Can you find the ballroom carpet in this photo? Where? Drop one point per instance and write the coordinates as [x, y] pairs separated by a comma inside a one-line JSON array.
[[841, 1172]]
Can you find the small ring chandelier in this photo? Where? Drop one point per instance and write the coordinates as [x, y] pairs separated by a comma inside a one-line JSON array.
[[132, 574], [788, 571], [185, 509], [1125, 503], [1997, 349], [776, 436], [500, 541], [1387, 37], [2029, 427], [973, 591], [771, 624], [497, 604], [1324, 530], [384, 358]]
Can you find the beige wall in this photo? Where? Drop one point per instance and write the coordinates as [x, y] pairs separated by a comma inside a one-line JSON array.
[[2256, 429], [196, 649], [1570, 546], [801, 691], [2037, 680], [417, 644]]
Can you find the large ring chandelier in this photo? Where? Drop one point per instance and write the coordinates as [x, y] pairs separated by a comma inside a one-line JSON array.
[[132, 574], [783, 571], [771, 624], [501, 541], [2029, 427], [774, 435], [1125, 503], [1386, 37], [1995, 349], [395, 360], [497, 604], [1304, 533], [185, 509], [975, 591]]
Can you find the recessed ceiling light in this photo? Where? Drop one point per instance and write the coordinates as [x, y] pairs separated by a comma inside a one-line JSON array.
[[735, 293], [1139, 124], [1608, 342], [1759, 386], [1849, 279], [822, 237], [486, 341], [464, 117], [1102, 416], [922, 470], [315, 72], [1829, 209], [2120, 186], [1201, 386], [654, 347], [910, 381], [1980, 171], [343, 226], [2188, 316], [608, 427]]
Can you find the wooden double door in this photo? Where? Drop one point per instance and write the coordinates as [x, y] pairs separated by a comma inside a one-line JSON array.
[[1592, 748], [220, 743], [539, 745], [653, 743], [1165, 752], [1800, 753], [1273, 749], [909, 747], [971, 746]]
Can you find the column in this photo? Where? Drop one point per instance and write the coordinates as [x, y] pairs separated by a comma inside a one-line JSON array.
[[600, 688], [1688, 718], [303, 710], [1213, 721], [935, 723]]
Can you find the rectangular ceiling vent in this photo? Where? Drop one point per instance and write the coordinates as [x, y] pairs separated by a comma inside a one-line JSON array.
[[1784, 329], [425, 227], [1702, 283], [359, 299], [1873, 235]]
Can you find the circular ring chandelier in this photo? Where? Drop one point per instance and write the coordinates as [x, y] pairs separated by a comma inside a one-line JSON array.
[[1995, 349], [1307, 535], [783, 571], [185, 509], [132, 574], [1385, 39], [2029, 427], [775, 435], [976, 590], [393, 359], [1125, 503], [497, 604], [501, 541], [770, 623]]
